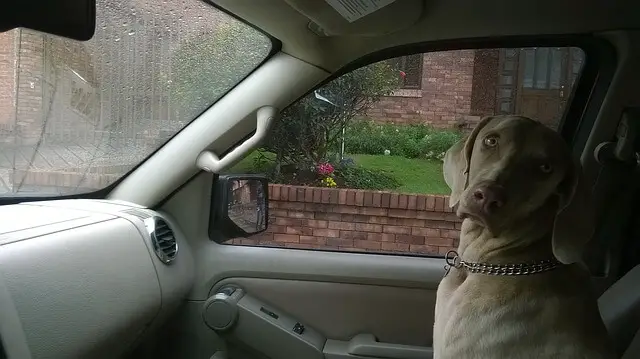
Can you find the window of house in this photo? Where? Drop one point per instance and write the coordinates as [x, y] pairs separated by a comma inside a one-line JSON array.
[[547, 68], [410, 70], [83, 96], [378, 186]]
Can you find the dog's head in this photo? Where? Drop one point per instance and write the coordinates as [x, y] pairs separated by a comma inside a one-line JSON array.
[[514, 175]]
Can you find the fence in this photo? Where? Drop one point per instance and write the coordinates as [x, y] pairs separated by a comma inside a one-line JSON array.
[[357, 220]]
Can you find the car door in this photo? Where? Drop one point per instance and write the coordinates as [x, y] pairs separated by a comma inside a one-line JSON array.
[[357, 229]]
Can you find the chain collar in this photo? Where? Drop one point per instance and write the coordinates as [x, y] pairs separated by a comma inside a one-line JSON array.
[[453, 260]]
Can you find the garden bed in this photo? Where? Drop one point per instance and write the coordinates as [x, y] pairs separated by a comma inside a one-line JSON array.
[[410, 175]]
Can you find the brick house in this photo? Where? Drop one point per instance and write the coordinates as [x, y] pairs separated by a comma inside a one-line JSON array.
[[455, 88], [59, 89], [93, 108]]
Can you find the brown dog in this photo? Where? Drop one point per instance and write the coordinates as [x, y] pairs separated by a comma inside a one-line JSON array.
[[514, 288]]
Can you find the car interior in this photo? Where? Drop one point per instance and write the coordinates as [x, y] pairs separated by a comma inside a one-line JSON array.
[[142, 267]]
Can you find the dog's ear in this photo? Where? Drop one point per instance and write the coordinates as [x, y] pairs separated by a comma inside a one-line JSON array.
[[574, 223], [453, 170], [457, 160]]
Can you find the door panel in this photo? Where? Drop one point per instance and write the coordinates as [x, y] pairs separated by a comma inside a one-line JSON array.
[[340, 311], [541, 104], [338, 294]]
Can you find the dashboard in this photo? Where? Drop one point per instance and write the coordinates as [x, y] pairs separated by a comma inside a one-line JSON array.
[[87, 278]]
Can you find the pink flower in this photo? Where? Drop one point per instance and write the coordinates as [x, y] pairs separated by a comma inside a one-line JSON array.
[[403, 74], [325, 169]]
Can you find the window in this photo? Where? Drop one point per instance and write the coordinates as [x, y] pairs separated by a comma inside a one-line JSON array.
[[410, 68], [379, 187], [76, 116], [84, 97], [543, 67]]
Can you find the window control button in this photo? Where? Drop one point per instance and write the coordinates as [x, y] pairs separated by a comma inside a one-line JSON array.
[[298, 328]]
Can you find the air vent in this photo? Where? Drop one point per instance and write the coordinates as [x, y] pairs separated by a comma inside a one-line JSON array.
[[162, 238]]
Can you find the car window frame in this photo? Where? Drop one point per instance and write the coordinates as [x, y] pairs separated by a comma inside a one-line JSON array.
[[583, 103]]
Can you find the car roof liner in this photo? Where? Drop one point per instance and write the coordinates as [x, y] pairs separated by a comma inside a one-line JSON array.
[[73, 19]]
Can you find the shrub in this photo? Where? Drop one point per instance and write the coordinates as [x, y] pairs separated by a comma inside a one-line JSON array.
[[411, 141], [311, 128], [202, 68], [343, 174], [353, 176]]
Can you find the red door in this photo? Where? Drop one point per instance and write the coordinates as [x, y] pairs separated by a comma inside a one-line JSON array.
[[536, 82]]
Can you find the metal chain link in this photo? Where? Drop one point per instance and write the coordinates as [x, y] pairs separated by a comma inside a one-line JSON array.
[[453, 260]]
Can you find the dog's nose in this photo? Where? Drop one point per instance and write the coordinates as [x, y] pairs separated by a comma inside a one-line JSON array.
[[489, 198]]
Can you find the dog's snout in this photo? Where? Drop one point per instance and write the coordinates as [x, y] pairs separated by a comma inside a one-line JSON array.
[[489, 198]]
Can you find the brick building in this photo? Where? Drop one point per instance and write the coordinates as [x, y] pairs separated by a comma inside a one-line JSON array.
[[75, 116], [455, 88], [60, 91]]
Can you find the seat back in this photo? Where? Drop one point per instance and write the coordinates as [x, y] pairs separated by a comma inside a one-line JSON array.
[[633, 351], [620, 311]]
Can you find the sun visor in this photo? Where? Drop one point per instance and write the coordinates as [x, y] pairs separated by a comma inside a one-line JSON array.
[[74, 19], [359, 17]]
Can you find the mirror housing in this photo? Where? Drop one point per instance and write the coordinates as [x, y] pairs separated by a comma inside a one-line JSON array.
[[73, 19], [239, 206]]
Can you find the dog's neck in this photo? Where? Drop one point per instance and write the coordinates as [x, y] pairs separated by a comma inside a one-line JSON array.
[[477, 244]]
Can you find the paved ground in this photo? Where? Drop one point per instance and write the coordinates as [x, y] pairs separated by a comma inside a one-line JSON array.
[[80, 160]]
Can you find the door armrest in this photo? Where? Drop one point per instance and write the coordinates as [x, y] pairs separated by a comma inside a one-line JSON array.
[[366, 346]]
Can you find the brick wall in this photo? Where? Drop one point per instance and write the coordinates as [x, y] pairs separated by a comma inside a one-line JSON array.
[[444, 99], [40, 66], [73, 180], [7, 78], [357, 220], [31, 87]]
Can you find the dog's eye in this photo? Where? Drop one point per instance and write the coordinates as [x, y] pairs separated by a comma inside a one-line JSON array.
[[546, 168], [490, 141]]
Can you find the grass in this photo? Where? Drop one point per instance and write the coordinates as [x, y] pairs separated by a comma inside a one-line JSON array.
[[416, 175]]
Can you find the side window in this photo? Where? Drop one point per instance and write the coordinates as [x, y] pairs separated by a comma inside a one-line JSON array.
[[357, 164]]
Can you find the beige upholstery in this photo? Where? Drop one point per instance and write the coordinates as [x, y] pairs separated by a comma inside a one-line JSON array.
[[620, 310]]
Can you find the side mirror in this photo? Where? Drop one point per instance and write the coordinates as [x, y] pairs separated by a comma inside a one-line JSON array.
[[239, 205]]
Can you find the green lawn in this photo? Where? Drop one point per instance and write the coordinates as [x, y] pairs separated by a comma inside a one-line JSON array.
[[415, 175]]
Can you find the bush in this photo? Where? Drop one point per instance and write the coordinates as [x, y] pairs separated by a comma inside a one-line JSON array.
[[203, 67], [353, 176], [411, 141], [311, 128], [345, 173]]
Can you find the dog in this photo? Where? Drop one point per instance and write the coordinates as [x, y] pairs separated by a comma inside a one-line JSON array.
[[515, 287]]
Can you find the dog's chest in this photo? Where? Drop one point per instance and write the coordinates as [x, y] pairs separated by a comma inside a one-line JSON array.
[[471, 324], [485, 317]]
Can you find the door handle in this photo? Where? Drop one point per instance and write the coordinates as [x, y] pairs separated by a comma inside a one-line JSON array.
[[366, 345], [210, 162]]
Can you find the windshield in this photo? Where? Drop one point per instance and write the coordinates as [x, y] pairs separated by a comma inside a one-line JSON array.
[[76, 116]]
